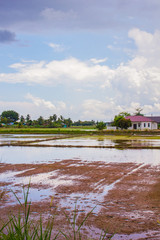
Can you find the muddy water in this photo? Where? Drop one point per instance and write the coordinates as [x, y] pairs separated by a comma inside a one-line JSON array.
[[65, 181]]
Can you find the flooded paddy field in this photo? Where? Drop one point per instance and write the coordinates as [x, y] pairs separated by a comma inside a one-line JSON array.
[[122, 185]]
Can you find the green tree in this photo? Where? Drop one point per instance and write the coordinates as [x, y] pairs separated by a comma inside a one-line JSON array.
[[121, 122], [12, 116], [101, 125], [54, 117], [40, 120], [124, 114], [138, 112], [28, 118], [22, 119], [4, 120], [68, 122], [117, 118], [124, 123]]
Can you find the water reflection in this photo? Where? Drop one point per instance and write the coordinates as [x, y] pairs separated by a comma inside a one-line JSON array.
[[8, 138], [48, 154]]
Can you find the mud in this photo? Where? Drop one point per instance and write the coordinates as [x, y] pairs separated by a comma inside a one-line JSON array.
[[126, 195]]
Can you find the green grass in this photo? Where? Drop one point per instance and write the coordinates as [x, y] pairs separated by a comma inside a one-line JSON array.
[[75, 130], [44, 131], [22, 227]]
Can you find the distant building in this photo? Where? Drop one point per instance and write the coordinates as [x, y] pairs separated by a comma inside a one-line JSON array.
[[155, 118], [142, 123]]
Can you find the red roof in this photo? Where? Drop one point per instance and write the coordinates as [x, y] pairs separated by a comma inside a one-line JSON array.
[[139, 119]]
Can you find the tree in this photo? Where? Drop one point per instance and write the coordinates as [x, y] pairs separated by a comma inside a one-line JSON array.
[[100, 125], [40, 120], [28, 118], [124, 123], [22, 120], [117, 118], [124, 114], [54, 117], [11, 115], [121, 122], [138, 112], [68, 122]]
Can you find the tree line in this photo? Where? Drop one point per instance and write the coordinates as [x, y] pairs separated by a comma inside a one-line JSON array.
[[11, 117]]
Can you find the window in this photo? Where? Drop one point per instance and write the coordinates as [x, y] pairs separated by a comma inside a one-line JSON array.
[[144, 124], [139, 125], [148, 124]]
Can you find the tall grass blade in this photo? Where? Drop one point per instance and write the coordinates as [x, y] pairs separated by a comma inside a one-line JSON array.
[[85, 219]]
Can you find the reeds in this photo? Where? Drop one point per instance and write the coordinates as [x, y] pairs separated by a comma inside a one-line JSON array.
[[22, 226]]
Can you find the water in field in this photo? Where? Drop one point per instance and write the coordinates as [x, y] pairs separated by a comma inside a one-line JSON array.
[[44, 184], [9, 138], [17, 155]]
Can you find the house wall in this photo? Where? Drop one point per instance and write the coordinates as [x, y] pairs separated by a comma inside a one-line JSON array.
[[144, 125]]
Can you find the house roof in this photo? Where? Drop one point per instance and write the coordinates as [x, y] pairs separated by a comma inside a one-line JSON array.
[[139, 119], [155, 118]]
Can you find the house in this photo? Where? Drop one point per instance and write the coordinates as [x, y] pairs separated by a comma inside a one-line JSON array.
[[155, 118], [142, 123]]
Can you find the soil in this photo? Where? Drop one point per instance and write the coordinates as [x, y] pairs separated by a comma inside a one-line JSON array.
[[126, 196]]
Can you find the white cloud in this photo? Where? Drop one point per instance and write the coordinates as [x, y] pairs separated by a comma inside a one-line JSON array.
[[56, 47], [39, 102], [36, 107], [61, 105], [97, 61], [65, 71], [100, 110], [133, 83]]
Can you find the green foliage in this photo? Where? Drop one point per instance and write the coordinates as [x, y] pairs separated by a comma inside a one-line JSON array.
[[101, 125], [22, 119], [40, 120], [138, 112], [22, 227], [124, 114], [121, 122], [84, 123], [10, 115], [76, 229], [124, 123]]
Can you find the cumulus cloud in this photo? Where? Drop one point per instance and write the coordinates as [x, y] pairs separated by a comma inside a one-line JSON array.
[[7, 36], [133, 83], [41, 102], [45, 107], [65, 71]]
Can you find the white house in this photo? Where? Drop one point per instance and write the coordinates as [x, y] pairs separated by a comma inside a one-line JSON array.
[[142, 123]]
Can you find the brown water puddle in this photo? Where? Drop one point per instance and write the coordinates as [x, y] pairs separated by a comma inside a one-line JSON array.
[[127, 195]]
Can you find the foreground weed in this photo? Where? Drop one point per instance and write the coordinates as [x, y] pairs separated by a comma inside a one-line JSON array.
[[77, 229], [22, 228]]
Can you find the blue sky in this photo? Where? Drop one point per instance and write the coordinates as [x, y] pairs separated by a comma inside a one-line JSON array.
[[88, 59]]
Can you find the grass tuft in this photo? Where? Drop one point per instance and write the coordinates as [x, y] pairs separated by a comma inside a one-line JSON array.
[[22, 226]]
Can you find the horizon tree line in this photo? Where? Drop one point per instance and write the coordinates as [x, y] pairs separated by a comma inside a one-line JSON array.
[[11, 117]]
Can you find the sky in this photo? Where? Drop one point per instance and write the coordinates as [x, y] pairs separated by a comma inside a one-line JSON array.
[[83, 59]]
